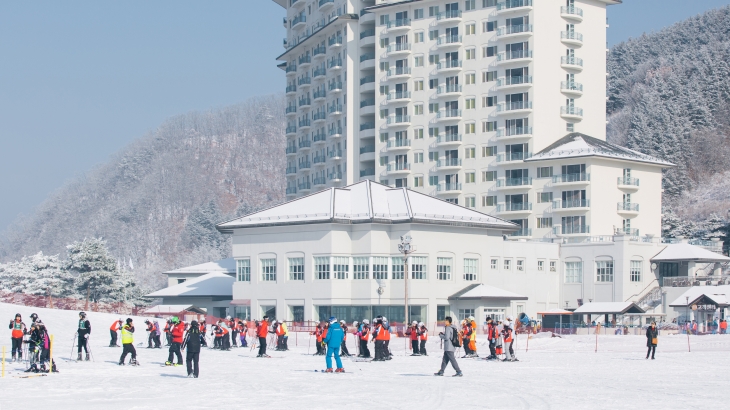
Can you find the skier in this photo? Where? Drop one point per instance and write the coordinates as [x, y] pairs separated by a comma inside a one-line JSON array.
[[243, 330], [192, 342], [413, 334], [113, 329], [387, 355], [177, 330], [83, 332], [379, 335], [364, 334], [233, 325], [343, 349], [262, 331], [202, 329], [492, 339], [333, 340], [150, 333], [168, 335], [224, 335], [156, 333], [128, 343], [16, 336], [423, 337], [39, 345], [507, 336], [450, 337], [472, 325], [33, 318], [319, 332], [465, 336]]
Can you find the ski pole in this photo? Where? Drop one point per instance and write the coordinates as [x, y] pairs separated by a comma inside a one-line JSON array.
[[88, 347], [73, 344]]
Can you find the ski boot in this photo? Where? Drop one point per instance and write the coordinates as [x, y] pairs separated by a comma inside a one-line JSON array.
[[78, 359], [133, 362], [177, 364], [121, 363], [439, 373], [13, 359], [340, 370], [87, 357], [329, 370], [168, 363]]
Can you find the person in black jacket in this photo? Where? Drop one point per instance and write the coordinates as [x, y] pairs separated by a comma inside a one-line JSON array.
[[192, 342], [83, 332], [652, 335]]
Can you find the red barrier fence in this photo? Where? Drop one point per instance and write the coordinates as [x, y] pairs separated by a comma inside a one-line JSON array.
[[68, 303]]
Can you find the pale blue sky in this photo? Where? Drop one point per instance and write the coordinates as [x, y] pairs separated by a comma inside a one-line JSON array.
[[81, 79]]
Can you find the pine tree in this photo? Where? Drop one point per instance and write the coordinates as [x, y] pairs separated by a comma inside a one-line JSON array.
[[94, 268]]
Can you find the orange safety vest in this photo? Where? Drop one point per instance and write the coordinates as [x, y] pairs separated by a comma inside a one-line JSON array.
[[507, 335], [279, 330], [424, 333], [413, 333], [17, 329], [115, 326], [364, 333], [382, 333], [318, 333]]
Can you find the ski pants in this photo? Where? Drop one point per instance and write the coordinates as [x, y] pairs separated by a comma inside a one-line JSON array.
[[465, 343], [422, 348], [158, 342], [234, 340], [414, 346], [280, 342], [262, 345], [380, 350], [168, 337], [492, 348], [343, 349], [17, 346], [128, 348], [508, 352], [113, 334], [191, 360], [150, 340], [364, 351], [243, 340], [82, 343], [175, 351], [333, 351], [226, 342], [449, 358]]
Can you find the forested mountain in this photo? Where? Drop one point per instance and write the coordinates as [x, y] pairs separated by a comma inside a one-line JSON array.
[[669, 96], [156, 202]]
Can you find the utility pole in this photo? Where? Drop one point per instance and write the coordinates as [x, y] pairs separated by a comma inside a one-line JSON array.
[[405, 248]]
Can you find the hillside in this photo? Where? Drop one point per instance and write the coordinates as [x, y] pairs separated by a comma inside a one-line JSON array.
[[155, 202]]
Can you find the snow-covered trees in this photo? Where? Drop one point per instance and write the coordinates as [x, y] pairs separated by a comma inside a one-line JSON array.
[[92, 266]]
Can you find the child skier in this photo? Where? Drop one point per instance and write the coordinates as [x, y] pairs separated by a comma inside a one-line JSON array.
[[192, 342], [509, 353], [343, 348], [177, 330], [262, 331], [16, 336], [333, 340], [128, 343], [83, 332], [423, 338], [113, 329], [364, 333], [413, 334]]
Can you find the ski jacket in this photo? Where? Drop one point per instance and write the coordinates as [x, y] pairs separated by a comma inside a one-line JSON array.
[[318, 332], [84, 327], [224, 330], [127, 334], [37, 337], [344, 331], [413, 333], [156, 328], [150, 327], [424, 333], [364, 332], [263, 329], [334, 337], [382, 333], [284, 330], [116, 325], [18, 328], [177, 332], [507, 334], [192, 341]]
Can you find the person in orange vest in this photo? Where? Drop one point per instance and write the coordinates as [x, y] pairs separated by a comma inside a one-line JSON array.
[[423, 337], [233, 325], [176, 331], [509, 353], [386, 346], [203, 328], [343, 347], [225, 335], [492, 339], [156, 335], [472, 325], [723, 326], [168, 336], [217, 334], [243, 329], [380, 335], [413, 334], [18, 329], [262, 330], [113, 329], [282, 334], [363, 334], [465, 337], [319, 332], [150, 334]]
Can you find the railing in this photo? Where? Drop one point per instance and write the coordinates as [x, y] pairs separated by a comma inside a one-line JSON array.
[[573, 203], [335, 176], [304, 101], [291, 170], [686, 281], [586, 239], [367, 56], [450, 162], [291, 109], [322, 3], [305, 165], [451, 14], [511, 4], [335, 153], [571, 10], [513, 55], [399, 95], [505, 81], [630, 232], [319, 116], [448, 187], [571, 86], [305, 186], [367, 172], [446, 138], [627, 206], [449, 64], [337, 85], [305, 143], [571, 35], [319, 181], [319, 159], [367, 103], [299, 19], [399, 71], [571, 111], [305, 123], [514, 29], [368, 79], [571, 60], [319, 71], [304, 81], [292, 88], [399, 119], [398, 47], [334, 108], [513, 156], [305, 60], [367, 149], [512, 131], [399, 23], [398, 167], [319, 50], [291, 149], [628, 181], [449, 40], [524, 181], [572, 229], [367, 126], [336, 131], [335, 41], [522, 232], [319, 94], [291, 190], [513, 207], [514, 106], [398, 143], [449, 114], [451, 88], [291, 68], [291, 129], [319, 137], [579, 177], [335, 63], [367, 33]]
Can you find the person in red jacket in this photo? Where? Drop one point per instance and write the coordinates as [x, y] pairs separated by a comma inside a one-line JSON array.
[[224, 334], [262, 331], [18, 330], [492, 338], [177, 330], [423, 336], [363, 333], [168, 337], [113, 329], [319, 333], [413, 332]]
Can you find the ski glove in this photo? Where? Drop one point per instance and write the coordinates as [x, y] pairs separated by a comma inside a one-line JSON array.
[[86, 336]]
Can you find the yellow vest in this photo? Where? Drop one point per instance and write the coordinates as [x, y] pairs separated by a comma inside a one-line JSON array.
[[284, 329], [127, 336]]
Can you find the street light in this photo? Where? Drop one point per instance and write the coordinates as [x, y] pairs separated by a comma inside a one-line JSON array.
[[686, 321], [406, 248]]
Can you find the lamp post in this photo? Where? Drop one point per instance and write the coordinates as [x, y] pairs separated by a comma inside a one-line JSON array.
[[405, 248], [686, 322]]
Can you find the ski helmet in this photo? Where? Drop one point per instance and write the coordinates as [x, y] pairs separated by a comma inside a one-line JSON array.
[[471, 318], [129, 320], [420, 324], [385, 319], [82, 314], [34, 316], [365, 322], [228, 318], [175, 320], [354, 323], [414, 323], [18, 315], [333, 320]]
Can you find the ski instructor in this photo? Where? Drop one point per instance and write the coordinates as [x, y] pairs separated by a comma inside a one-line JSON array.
[[333, 340], [83, 332]]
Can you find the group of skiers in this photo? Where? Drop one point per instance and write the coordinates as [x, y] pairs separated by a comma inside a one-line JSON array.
[[37, 341]]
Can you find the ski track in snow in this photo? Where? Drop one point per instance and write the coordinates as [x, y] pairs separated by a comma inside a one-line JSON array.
[[556, 373]]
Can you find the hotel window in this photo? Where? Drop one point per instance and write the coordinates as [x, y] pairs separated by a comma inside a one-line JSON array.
[[470, 29], [322, 267], [541, 266], [418, 110], [418, 61], [470, 105], [544, 197], [418, 133], [268, 270], [383, 161], [243, 270], [417, 14], [433, 180], [489, 51], [433, 35], [360, 267], [418, 85], [544, 222], [488, 76], [636, 271], [520, 265], [418, 157], [553, 266], [545, 172], [383, 113], [507, 264], [470, 54], [384, 66], [296, 268], [418, 267], [383, 44], [489, 3], [433, 107], [417, 182], [489, 152], [465, 313], [469, 177], [470, 5], [419, 39], [380, 267], [489, 200], [493, 264], [470, 202], [433, 11], [470, 269], [398, 268], [573, 272], [471, 127], [443, 268], [470, 152], [433, 132], [570, 127], [470, 78], [489, 26], [384, 19], [383, 136], [341, 267], [489, 126], [604, 271]]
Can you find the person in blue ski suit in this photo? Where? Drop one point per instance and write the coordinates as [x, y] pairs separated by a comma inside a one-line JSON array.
[[333, 340]]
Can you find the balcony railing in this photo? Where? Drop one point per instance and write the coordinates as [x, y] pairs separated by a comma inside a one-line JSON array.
[[335, 41], [515, 207], [305, 143], [305, 123], [291, 88], [578, 112], [368, 79], [522, 232], [335, 131], [367, 149], [299, 19], [454, 186], [291, 129], [304, 102], [571, 229], [398, 143], [291, 109], [524, 181], [367, 56], [319, 181], [514, 106], [291, 170], [367, 172], [305, 165], [573, 203], [513, 156], [400, 166], [304, 81], [319, 94], [399, 23], [448, 40], [628, 181], [367, 126], [319, 137], [514, 29], [502, 82], [323, 3], [399, 119], [571, 10], [627, 206], [450, 162], [449, 64], [451, 88], [451, 14], [335, 86], [513, 55], [446, 138], [566, 178], [291, 68], [511, 4], [335, 63], [571, 60], [305, 186], [571, 35], [319, 159], [291, 149], [367, 33], [305, 60], [449, 114], [335, 176], [367, 103], [334, 109], [513, 131], [398, 47], [399, 95], [571, 86], [399, 71], [335, 153], [319, 71], [291, 190], [319, 116], [319, 50]]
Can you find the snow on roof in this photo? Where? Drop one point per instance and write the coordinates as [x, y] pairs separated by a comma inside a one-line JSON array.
[[687, 252], [174, 309], [718, 294], [618, 308], [482, 291], [367, 201], [223, 265], [211, 284], [555, 311], [576, 145]]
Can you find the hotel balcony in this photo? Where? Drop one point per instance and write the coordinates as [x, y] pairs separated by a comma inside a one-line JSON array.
[[448, 189], [335, 42], [448, 164], [335, 86], [514, 82], [517, 56], [291, 69], [319, 160], [319, 72], [305, 186], [513, 156], [320, 94], [306, 165], [305, 60], [291, 150], [570, 62], [398, 25], [626, 183], [448, 90], [335, 64], [319, 51], [399, 168], [319, 138], [291, 130], [572, 88], [397, 120], [448, 139], [399, 96], [514, 133], [398, 48], [571, 113], [291, 190], [514, 183], [449, 65], [514, 5], [517, 30], [449, 41], [571, 13], [305, 144], [368, 172], [571, 230], [326, 4], [399, 72], [522, 233], [627, 208], [299, 22], [517, 107], [334, 109], [291, 89], [572, 38], [291, 170], [515, 208], [448, 16], [398, 145], [319, 181], [572, 179], [571, 205], [448, 115], [304, 82]]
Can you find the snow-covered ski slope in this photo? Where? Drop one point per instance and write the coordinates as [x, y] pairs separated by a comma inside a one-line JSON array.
[[556, 373]]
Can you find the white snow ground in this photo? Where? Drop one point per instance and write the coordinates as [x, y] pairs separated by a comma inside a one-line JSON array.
[[556, 373]]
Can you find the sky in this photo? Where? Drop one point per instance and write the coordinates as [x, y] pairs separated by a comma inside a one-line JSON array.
[[80, 79]]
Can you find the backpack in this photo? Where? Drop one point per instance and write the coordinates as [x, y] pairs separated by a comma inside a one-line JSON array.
[[455, 338]]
